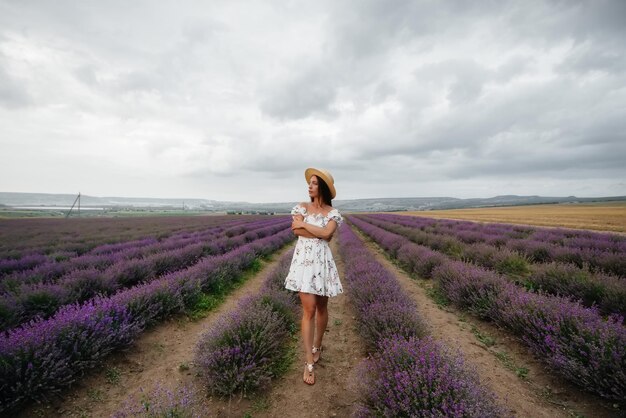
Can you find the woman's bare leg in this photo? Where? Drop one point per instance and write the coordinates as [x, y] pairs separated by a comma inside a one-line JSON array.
[[308, 312], [321, 321]]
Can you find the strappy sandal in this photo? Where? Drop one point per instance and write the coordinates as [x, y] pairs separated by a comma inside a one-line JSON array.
[[315, 350], [309, 369]]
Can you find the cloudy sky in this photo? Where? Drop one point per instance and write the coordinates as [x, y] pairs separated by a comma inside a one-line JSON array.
[[232, 100]]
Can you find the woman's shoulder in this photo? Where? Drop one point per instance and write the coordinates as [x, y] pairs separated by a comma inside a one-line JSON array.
[[332, 212], [334, 215], [300, 209]]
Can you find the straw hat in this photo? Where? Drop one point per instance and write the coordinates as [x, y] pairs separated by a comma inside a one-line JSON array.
[[324, 175]]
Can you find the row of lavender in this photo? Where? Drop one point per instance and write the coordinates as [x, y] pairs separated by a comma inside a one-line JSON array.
[[407, 373], [41, 358], [499, 233], [104, 256], [600, 251], [245, 348], [605, 291], [21, 237], [121, 271], [42, 266], [573, 340], [250, 345]]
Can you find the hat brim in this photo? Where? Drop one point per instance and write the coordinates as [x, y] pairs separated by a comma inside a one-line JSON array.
[[329, 182]]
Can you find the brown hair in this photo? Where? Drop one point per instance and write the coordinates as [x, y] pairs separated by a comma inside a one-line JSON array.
[[324, 191]]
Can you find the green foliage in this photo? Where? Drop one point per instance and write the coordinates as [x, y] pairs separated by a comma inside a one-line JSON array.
[[95, 395], [257, 264], [43, 303], [283, 310], [520, 371], [437, 296], [284, 362], [513, 264], [482, 337], [203, 304], [113, 375], [453, 248], [199, 304]]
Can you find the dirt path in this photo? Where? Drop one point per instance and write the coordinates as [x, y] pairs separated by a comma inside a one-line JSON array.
[[540, 395], [163, 354], [333, 393]]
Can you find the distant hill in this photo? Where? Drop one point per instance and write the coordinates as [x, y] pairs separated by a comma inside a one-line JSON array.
[[435, 203], [355, 205], [49, 199]]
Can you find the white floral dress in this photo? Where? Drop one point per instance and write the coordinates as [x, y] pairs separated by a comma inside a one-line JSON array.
[[313, 268]]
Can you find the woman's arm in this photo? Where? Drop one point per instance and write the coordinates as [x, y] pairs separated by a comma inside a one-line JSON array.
[[303, 232], [318, 232]]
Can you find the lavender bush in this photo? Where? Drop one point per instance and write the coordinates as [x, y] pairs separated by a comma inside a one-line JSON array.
[[242, 350], [406, 374], [419, 260], [29, 301], [42, 357], [23, 263], [23, 237], [38, 360], [383, 309], [477, 291], [608, 293], [101, 260], [57, 263], [420, 377], [575, 341], [574, 280], [601, 251], [249, 346]]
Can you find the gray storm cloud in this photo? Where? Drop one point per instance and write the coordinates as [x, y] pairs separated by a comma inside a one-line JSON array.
[[232, 100]]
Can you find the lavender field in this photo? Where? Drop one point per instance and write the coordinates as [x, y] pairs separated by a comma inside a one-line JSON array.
[[73, 293], [561, 292]]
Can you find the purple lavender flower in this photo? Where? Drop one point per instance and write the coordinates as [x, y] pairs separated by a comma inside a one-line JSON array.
[[247, 346], [577, 342], [405, 375], [38, 359], [420, 377]]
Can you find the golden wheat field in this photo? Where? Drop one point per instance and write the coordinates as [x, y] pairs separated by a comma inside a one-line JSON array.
[[601, 217]]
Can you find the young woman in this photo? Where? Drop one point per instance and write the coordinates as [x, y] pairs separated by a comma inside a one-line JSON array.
[[313, 272]]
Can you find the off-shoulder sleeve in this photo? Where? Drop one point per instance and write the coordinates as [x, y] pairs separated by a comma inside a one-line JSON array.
[[335, 216], [298, 210]]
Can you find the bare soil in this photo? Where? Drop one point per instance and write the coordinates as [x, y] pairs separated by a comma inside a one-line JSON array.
[[540, 394]]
